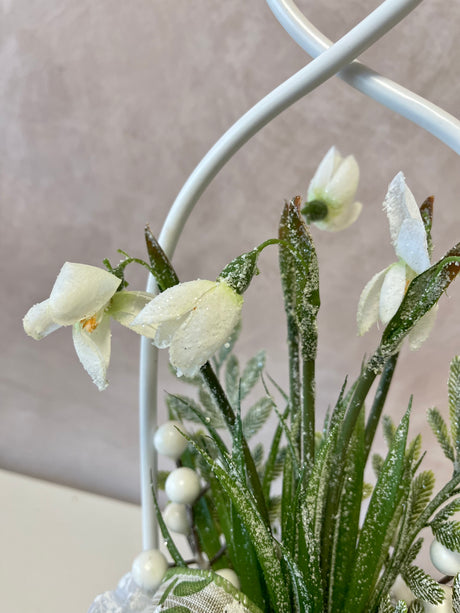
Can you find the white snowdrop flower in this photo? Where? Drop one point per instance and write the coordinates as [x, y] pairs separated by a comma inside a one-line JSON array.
[[176, 518], [194, 319], [85, 297], [331, 194], [445, 560], [230, 575], [382, 296], [148, 569], [169, 441], [183, 485]]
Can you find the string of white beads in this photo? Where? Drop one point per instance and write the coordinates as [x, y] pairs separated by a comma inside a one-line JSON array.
[[148, 569], [169, 441]]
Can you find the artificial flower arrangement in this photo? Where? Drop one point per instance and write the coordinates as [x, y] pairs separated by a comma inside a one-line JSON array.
[[287, 530]]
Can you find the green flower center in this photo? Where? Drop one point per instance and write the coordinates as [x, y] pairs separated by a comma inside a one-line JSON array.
[[315, 210]]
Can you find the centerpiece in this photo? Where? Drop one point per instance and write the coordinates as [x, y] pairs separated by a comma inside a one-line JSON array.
[[295, 527]]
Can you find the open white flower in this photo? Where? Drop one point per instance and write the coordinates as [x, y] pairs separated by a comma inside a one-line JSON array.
[[384, 293], [194, 319], [85, 297], [331, 194]]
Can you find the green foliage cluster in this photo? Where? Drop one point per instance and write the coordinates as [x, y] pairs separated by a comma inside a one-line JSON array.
[[312, 548]]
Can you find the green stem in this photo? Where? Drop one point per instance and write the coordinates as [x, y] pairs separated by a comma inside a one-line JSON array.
[[308, 414], [228, 414], [379, 401]]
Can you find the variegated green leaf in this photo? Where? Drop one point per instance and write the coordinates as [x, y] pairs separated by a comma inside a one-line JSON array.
[[378, 517]]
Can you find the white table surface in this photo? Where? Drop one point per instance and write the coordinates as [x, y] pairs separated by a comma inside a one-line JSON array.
[[61, 547]]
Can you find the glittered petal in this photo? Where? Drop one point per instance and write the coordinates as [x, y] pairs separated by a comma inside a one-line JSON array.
[[324, 173], [411, 245], [173, 303], [38, 322], [166, 331], [342, 188], [80, 291], [368, 307], [93, 349], [126, 306], [422, 328], [399, 205], [343, 219], [206, 329], [392, 293]]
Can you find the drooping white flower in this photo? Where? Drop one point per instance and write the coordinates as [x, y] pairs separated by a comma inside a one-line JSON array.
[[193, 319], [384, 293], [85, 297], [331, 194]]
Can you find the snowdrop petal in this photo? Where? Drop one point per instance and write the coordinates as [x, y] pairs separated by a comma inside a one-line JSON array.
[[80, 291], [392, 292], [411, 245], [126, 306], [38, 322], [368, 307], [341, 190], [173, 302], [93, 350], [399, 205], [166, 331], [324, 173], [205, 329], [341, 220], [421, 331]]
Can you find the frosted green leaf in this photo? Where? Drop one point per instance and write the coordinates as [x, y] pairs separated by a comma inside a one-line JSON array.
[[456, 595], [251, 373], [454, 405], [448, 534], [439, 427], [257, 416], [422, 489], [232, 380], [422, 585]]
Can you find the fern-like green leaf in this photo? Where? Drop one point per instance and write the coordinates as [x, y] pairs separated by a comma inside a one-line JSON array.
[[257, 416], [183, 408], [401, 607], [389, 429], [454, 406], [413, 552], [258, 455], [447, 511], [422, 489], [377, 463], [417, 606], [456, 595], [439, 427], [252, 372], [385, 605], [226, 348], [212, 412], [422, 585], [232, 380], [448, 534]]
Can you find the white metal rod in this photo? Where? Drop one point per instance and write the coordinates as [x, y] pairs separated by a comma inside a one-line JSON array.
[[314, 74], [427, 115]]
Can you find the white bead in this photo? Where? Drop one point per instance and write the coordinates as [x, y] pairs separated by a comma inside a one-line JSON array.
[[445, 560], [183, 486], [148, 569], [230, 575], [176, 518], [169, 441]]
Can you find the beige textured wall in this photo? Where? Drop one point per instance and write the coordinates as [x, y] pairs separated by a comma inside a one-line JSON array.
[[106, 107]]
